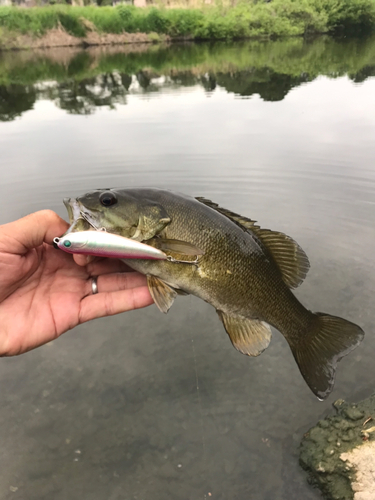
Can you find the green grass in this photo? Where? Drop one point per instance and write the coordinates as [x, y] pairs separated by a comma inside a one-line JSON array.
[[247, 19]]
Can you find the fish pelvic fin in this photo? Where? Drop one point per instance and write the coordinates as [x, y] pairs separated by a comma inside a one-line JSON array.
[[249, 336], [317, 353], [162, 294], [288, 256]]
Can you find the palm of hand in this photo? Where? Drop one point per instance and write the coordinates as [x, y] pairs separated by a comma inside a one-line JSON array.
[[44, 292], [47, 297]]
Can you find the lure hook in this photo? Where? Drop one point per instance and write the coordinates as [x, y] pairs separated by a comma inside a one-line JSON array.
[[176, 261], [84, 217]]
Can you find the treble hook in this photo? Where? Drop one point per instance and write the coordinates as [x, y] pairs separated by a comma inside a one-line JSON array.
[[84, 217], [176, 261]]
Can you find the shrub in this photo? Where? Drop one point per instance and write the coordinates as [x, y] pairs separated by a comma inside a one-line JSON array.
[[71, 24], [247, 19]]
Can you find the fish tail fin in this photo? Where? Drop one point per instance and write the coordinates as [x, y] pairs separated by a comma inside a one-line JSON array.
[[327, 340]]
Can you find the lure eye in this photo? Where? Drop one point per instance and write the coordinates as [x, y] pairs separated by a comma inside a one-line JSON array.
[[67, 243], [108, 199]]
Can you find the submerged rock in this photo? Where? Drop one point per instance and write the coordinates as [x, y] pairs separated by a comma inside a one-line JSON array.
[[339, 452]]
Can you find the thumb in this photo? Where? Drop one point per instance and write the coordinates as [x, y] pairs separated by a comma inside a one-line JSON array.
[[20, 236]]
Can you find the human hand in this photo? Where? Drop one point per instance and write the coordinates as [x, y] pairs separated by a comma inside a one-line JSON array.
[[44, 292]]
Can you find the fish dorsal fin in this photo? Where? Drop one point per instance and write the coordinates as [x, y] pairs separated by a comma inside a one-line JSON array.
[[249, 336], [241, 221], [289, 257], [162, 293]]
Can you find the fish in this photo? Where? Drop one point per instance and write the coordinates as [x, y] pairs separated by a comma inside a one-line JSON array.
[[247, 273], [103, 244]]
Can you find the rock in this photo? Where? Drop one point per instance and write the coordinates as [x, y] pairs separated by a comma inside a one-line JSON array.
[[339, 452], [362, 460]]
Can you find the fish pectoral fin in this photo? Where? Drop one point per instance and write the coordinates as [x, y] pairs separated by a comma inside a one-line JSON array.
[[249, 336], [149, 226], [162, 293], [289, 257], [181, 247]]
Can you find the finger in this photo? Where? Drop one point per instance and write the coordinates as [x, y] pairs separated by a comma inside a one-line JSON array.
[[100, 265], [32, 230], [106, 266], [83, 260], [117, 281], [110, 303]]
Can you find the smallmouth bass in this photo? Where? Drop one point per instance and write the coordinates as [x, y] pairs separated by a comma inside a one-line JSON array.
[[245, 272]]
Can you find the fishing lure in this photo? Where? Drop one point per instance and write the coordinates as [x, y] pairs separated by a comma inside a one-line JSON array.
[[103, 244]]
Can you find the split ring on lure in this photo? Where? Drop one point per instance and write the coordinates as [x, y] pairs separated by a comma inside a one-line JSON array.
[[103, 244]]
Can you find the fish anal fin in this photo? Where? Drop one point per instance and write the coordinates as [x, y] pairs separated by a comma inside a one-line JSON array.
[[289, 257], [249, 336], [162, 293]]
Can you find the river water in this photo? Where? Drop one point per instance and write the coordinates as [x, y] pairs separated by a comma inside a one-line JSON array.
[[148, 406]]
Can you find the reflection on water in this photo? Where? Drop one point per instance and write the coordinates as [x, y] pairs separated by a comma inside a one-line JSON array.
[[152, 406], [79, 82]]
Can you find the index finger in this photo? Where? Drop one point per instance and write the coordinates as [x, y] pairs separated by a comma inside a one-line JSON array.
[[31, 231]]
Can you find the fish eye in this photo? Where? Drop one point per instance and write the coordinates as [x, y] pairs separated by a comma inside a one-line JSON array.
[[108, 199]]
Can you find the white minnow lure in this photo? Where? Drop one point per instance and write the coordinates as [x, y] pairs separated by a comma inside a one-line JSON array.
[[103, 244]]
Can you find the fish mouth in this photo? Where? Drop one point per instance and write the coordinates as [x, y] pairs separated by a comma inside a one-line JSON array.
[[69, 208], [73, 209], [79, 219]]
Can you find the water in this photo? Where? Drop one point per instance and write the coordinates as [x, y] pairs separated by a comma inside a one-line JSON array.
[[148, 406]]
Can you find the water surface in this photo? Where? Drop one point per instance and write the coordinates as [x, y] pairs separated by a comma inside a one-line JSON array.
[[151, 406]]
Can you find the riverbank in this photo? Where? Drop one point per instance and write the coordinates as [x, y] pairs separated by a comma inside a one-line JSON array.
[[59, 37], [59, 25]]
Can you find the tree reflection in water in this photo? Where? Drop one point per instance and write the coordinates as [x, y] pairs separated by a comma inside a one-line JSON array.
[[82, 81], [15, 100], [82, 98]]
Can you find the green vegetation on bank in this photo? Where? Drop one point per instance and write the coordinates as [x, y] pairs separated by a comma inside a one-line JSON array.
[[249, 18]]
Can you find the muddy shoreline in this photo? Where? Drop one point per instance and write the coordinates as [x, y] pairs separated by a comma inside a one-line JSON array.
[[338, 453], [58, 37]]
